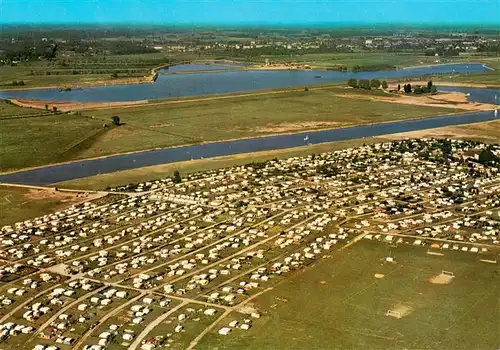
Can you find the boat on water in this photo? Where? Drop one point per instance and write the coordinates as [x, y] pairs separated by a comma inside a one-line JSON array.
[[318, 76]]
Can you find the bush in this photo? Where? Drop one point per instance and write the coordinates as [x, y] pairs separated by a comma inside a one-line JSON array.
[[418, 90], [384, 85], [487, 157], [177, 177], [364, 84], [352, 83], [116, 120], [375, 83]]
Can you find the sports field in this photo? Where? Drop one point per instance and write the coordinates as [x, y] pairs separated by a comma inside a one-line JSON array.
[[341, 304]]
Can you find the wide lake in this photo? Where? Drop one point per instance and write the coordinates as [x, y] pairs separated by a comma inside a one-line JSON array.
[[226, 78]]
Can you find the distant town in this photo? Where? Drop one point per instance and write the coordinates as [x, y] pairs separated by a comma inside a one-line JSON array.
[[16, 46]]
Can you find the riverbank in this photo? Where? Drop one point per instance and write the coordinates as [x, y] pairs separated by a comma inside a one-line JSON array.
[[152, 126], [290, 121], [488, 132], [447, 100], [149, 79], [71, 106], [444, 100], [78, 106], [484, 132], [155, 172], [394, 82], [86, 168]]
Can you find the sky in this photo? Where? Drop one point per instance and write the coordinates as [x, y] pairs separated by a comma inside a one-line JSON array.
[[228, 12]]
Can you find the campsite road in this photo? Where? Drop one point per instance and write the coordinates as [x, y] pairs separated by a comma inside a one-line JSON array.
[[151, 325]]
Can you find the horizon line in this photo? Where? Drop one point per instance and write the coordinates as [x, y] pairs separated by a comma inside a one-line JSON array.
[[345, 24]]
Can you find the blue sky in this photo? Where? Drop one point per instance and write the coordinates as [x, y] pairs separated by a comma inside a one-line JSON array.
[[288, 12]]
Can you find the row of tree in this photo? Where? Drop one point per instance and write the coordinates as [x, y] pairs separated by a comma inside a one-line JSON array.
[[367, 84], [429, 88]]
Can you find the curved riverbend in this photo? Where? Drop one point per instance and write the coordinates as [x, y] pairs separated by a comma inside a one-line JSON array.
[[85, 168], [480, 95], [226, 81]]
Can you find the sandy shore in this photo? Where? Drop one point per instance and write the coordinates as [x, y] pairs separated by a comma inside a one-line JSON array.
[[72, 106], [279, 67], [455, 100], [394, 83], [480, 131]]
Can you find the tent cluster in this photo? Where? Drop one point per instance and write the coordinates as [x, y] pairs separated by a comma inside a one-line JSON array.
[[222, 235]]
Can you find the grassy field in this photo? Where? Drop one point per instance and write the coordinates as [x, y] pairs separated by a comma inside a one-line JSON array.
[[17, 203], [63, 137], [373, 59], [339, 304], [239, 117], [77, 69], [366, 59], [9, 110], [42, 140]]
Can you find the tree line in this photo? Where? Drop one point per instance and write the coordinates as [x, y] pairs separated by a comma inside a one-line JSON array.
[[367, 84]]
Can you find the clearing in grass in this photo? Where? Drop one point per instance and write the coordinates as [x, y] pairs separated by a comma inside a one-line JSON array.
[[20, 203]]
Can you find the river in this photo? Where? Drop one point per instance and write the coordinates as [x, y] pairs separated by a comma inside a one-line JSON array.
[[228, 80], [232, 81], [84, 168]]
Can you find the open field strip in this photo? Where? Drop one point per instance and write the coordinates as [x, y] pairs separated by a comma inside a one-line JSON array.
[[154, 125]]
